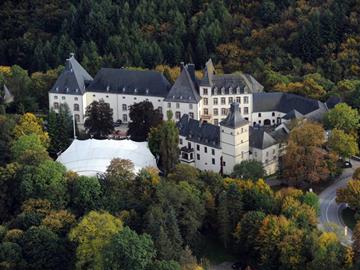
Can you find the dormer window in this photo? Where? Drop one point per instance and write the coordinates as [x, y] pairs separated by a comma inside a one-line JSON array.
[[108, 88], [215, 91], [135, 90], [57, 89], [180, 97], [147, 91], [222, 90], [238, 90], [76, 90], [123, 89], [230, 90], [67, 89]]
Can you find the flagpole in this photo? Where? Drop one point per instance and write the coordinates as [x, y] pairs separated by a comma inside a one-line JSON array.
[[73, 115]]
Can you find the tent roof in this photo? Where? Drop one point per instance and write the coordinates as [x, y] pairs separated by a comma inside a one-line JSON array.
[[90, 157]]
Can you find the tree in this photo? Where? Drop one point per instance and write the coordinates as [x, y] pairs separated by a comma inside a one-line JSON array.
[[11, 256], [85, 193], [99, 119], [143, 117], [60, 128], [7, 125], [305, 161], [165, 265], [93, 234], [356, 240], [249, 169], [184, 172], [343, 144], [43, 249], [350, 194], [164, 141], [59, 221], [343, 117], [28, 149], [46, 181], [29, 124], [128, 250]]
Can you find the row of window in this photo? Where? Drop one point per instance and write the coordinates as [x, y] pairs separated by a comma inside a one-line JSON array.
[[178, 115], [198, 147], [222, 91], [177, 105], [223, 100], [224, 111], [63, 98], [76, 106]]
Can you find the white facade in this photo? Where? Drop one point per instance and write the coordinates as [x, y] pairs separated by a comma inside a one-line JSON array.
[[269, 157], [75, 103], [180, 108]]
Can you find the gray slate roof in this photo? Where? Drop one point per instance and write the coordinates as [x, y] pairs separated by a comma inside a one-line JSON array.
[[130, 82], [260, 139], [293, 114], [200, 132], [73, 80], [234, 118], [224, 82], [284, 102], [184, 89]]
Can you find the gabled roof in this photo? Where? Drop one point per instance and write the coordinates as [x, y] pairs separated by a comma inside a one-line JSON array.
[[130, 82], [234, 118], [260, 139], [293, 114], [200, 132], [73, 80], [8, 97], [184, 89]]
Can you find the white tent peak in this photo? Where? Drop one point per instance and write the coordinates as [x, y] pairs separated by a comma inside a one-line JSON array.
[[89, 157]]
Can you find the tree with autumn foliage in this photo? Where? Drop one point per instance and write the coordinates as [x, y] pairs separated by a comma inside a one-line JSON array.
[[305, 161]]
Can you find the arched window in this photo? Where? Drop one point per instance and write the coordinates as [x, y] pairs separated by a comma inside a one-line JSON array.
[[77, 118], [76, 107]]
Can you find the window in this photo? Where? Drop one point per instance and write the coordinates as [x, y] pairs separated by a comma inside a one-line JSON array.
[[259, 121], [206, 111], [124, 117], [205, 149], [190, 106], [205, 91], [177, 115], [246, 110], [255, 154], [93, 96], [223, 101], [246, 100], [216, 111], [180, 141], [135, 98], [213, 152], [76, 98], [238, 99], [77, 118], [267, 153], [273, 151], [216, 122], [124, 107], [169, 105], [107, 96], [56, 105], [223, 111], [224, 163], [76, 107], [177, 105], [160, 109], [191, 115], [213, 161], [231, 100], [198, 147], [215, 101], [273, 114], [198, 156], [239, 110], [55, 97], [189, 145], [259, 114], [205, 101], [63, 97]]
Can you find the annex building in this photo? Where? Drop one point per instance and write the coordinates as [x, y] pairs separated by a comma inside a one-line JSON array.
[[223, 119]]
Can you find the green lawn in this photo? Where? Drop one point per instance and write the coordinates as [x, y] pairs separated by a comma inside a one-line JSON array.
[[215, 252], [348, 216]]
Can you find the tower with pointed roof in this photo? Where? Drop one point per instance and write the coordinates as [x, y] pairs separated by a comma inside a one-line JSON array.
[[70, 88], [234, 139]]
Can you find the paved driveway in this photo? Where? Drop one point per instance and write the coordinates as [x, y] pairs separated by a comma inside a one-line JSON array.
[[330, 212]]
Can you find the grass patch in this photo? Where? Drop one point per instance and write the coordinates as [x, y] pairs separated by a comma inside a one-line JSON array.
[[348, 217], [215, 252]]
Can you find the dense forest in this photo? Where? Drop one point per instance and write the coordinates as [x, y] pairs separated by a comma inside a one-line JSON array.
[[305, 47]]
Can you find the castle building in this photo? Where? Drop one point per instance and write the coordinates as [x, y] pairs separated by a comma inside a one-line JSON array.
[[222, 119]]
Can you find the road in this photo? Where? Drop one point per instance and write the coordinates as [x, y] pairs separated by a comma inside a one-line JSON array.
[[330, 212]]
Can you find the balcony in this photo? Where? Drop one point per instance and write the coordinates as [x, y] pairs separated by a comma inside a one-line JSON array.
[[187, 155]]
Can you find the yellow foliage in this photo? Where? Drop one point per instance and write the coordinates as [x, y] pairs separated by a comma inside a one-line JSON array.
[[5, 70], [30, 124]]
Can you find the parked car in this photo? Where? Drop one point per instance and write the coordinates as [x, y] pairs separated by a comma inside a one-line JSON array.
[[347, 164], [117, 123]]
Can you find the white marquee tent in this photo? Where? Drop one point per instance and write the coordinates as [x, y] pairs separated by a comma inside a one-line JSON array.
[[92, 156]]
